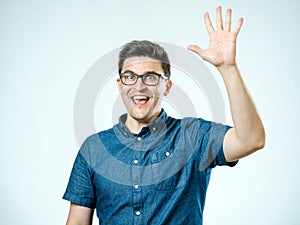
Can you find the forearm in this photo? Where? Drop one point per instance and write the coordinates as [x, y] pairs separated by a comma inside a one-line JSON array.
[[80, 215], [248, 125]]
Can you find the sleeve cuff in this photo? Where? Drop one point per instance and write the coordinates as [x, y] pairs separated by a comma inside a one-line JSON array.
[[87, 202]]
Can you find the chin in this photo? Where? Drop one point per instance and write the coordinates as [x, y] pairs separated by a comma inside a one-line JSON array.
[[141, 116]]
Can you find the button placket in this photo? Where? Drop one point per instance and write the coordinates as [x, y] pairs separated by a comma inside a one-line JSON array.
[[137, 194]]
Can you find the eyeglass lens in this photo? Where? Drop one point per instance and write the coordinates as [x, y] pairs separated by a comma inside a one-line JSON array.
[[148, 78]]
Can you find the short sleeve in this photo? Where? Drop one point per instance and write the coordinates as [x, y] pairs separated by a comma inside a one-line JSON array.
[[80, 188], [211, 145]]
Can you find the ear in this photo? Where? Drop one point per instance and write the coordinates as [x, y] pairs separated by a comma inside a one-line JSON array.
[[119, 84], [168, 87]]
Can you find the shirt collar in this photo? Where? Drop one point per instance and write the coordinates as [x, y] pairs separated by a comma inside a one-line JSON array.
[[155, 126]]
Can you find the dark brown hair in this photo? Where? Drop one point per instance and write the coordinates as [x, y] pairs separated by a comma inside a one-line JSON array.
[[147, 49]]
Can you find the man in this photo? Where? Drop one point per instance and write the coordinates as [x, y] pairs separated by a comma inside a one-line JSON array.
[[151, 168]]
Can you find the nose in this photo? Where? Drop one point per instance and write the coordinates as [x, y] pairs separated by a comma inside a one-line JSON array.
[[140, 84]]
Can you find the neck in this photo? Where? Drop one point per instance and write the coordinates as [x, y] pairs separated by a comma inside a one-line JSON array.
[[136, 125]]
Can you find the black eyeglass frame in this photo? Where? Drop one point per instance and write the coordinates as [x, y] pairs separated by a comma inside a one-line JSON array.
[[141, 76]]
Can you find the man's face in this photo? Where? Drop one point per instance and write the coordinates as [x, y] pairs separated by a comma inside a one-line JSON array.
[[143, 102]]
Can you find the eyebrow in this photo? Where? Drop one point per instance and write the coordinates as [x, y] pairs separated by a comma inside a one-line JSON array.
[[151, 71], [128, 71]]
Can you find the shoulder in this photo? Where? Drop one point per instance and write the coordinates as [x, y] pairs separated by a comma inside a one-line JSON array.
[[196, 123], [95, 139]]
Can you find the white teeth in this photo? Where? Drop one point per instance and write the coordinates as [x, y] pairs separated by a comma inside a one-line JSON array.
[[140, 97]]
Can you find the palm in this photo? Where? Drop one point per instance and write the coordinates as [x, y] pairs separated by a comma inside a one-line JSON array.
[[222, 47]]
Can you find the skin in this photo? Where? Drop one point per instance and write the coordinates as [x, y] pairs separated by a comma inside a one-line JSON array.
[[80, 215], [139, 115], [247, 135]]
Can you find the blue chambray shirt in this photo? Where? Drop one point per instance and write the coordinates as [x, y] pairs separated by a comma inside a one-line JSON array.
[[156, 177]]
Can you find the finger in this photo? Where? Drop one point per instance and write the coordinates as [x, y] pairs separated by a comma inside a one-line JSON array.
[[196, 49], [219, 18], [228, 20], [238, 26], [208, 24]]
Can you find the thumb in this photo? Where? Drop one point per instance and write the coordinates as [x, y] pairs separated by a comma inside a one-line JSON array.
[[196, 49]]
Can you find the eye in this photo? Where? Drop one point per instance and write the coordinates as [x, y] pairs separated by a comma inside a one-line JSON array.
[[128, 76], [151, 77]]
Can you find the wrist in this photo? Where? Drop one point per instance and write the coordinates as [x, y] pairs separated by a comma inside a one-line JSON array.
[[227, 68], [228, 71]]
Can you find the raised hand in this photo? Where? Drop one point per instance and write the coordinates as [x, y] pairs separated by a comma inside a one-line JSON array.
[[222, 47]]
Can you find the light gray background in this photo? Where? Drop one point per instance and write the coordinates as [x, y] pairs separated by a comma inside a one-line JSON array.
[[47, 47]]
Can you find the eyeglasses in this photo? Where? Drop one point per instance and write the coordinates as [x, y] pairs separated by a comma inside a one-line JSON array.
[[149, 78]]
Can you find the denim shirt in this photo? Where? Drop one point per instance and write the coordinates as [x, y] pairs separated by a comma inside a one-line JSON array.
[[156, 177]]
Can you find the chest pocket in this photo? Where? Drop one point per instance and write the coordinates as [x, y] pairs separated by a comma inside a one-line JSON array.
[[166, 179]]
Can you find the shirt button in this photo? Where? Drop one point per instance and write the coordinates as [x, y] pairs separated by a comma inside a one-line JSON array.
[[137, 213], [135, 161], [168, 154], [139, 138], [136, 186]]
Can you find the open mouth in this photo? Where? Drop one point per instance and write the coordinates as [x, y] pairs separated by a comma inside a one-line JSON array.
[[140, 99]]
